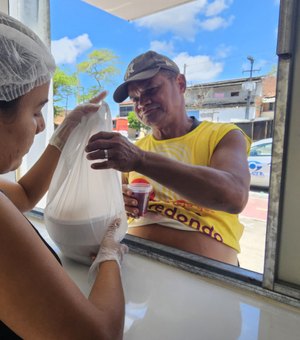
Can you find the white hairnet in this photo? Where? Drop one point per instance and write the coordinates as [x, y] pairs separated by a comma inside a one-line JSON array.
[[25, 62]]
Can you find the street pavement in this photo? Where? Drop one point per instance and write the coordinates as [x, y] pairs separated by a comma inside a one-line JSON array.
[[254, 218]]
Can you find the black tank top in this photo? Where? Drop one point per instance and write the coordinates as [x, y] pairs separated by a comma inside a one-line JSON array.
[[5, 332]]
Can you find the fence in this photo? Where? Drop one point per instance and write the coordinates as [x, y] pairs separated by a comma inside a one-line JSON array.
[[257, 129]]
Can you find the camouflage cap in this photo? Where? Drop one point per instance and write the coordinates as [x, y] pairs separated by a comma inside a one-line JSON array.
[[144, 66]]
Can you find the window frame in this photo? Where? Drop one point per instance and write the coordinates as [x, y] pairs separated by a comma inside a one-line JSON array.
[[265, 284], [285, 49]]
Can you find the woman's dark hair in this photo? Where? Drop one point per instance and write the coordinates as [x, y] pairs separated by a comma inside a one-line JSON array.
[[4, 105], [8, 110]]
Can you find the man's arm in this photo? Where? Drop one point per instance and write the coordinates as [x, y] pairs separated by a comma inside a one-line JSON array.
[[224, 185]]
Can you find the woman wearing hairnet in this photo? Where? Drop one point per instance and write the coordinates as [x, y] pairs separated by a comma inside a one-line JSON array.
[[37, 298]]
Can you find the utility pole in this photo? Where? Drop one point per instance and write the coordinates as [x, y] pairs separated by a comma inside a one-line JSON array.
[[251, 59], [184, 69]]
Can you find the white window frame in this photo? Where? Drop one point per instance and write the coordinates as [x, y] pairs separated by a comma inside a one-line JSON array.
[[266, 284]]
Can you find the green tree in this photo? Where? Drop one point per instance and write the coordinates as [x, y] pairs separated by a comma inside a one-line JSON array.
[[64, 86], [136, 124], [133, 122], [101, 67]]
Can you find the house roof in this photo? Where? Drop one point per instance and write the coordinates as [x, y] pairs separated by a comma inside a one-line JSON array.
[[226, 82]]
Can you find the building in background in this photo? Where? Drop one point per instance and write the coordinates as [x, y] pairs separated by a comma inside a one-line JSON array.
[[268, 97], [120, 124], [125, 108], [249, 104], [227, 101]]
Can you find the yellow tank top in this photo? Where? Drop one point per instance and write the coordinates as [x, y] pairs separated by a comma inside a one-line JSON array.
[[196, 147]]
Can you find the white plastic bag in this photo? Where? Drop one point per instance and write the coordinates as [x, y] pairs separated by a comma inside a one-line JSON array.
[[83, 202]]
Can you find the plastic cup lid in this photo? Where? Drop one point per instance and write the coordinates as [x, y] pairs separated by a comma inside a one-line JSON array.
[[140, 187]]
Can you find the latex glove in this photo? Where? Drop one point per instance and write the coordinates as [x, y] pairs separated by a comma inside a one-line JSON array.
[[110, 249], [62, 133]]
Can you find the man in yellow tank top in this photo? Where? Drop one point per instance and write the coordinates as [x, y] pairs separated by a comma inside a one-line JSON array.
[[198, 171]]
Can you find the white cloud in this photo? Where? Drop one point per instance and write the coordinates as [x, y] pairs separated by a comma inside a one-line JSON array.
[[199, 68], [163, 47], [214, 23], [184, 21], [66, 50], [217, 7], [181, 21], [223, 51]]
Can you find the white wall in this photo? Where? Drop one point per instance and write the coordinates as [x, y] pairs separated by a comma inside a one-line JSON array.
[[226, 114], [4, 6], [35, 14]]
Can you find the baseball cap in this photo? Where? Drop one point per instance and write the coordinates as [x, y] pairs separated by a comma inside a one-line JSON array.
[[144, 66]]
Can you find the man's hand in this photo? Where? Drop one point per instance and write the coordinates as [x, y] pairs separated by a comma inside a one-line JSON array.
[[131, 204], [119, 153]]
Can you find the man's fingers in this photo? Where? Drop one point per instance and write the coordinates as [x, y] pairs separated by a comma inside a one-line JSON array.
[[102, 135], [130, 201], [98, 98], [99, 166], [95, 150], [126, 191], [90, 107]]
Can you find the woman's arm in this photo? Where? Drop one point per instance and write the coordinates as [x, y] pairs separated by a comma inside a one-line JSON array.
[[37, 298], [107, 295], [27, 192]]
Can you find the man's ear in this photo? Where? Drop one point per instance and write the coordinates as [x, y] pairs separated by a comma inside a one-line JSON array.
[[181, 81]]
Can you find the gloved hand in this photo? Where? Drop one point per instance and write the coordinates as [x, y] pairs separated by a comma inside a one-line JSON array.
[[62, 133], [110, 249]]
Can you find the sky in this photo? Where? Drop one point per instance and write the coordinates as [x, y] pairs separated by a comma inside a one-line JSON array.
[[213, 38]]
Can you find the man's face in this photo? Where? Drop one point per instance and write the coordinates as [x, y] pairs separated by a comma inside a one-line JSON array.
[[158, 100]]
